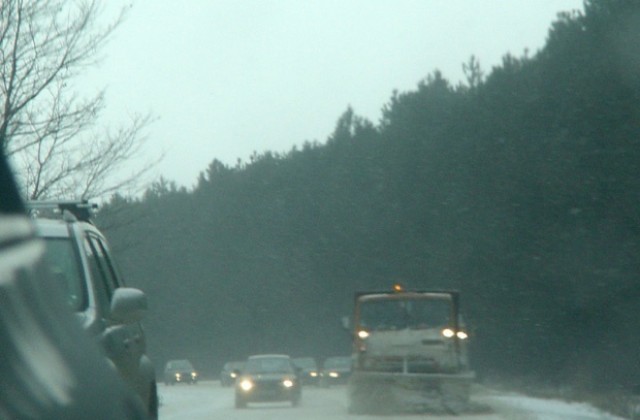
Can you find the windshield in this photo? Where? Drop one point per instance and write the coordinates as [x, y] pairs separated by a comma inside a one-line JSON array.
[[65, 269], [180, 364], [305, 363], [268, 365], [233, 366], [338, 363], [400, 314]]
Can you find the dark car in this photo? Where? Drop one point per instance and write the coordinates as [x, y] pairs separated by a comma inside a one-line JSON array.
[[308, 370], [50, 368], [266, 378], [84, 270], [336, 370], [229, 373], [180, 371]]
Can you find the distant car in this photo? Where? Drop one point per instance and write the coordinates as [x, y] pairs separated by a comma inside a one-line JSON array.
[[336, 370], [84, 270], [266, 378], [309, 372], [229, 373], [180, 371]]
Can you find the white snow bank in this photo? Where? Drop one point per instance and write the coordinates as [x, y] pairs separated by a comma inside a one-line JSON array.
[[545, 409]]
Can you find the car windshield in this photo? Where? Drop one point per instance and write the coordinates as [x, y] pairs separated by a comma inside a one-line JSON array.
[[305, 362], [180, 364], [338, 363], [64, 265], [233, 365], [399, 314], [268, 365]]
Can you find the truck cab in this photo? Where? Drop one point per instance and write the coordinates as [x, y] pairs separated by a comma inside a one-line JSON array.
[[409, 353]]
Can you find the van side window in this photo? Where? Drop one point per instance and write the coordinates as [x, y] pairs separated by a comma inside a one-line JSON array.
[[98, 278]]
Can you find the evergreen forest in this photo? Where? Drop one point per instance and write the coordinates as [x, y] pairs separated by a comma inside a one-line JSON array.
[[519, 187]]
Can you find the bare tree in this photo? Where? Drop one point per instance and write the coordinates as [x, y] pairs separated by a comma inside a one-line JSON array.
[[47, 129], [473, 72]]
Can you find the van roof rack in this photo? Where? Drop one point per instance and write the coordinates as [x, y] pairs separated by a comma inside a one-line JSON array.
[[82, 210]]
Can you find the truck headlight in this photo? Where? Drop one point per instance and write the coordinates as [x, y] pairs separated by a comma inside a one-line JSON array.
[[178, 376], [363, 334]]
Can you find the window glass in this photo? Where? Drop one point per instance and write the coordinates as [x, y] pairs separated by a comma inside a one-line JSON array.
[[180, 364], [337, 362], [106, 263], [99, 278], [269, 365], [400, 314], [66, 271]]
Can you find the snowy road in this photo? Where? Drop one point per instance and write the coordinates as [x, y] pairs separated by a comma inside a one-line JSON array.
[[208, 400]]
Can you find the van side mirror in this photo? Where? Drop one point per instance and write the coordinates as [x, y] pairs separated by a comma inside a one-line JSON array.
[[128, 305]]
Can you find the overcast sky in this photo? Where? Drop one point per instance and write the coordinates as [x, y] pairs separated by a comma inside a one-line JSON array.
[[226, 78]]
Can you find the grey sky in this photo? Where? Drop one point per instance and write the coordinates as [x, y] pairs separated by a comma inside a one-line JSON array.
[[227, 78]]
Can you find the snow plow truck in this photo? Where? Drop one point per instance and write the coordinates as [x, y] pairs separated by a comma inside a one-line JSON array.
[[409, 353]]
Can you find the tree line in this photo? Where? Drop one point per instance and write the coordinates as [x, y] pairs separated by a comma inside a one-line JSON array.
[[519, 188]]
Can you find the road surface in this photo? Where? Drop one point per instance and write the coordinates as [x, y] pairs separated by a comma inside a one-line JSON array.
[[208, 400]]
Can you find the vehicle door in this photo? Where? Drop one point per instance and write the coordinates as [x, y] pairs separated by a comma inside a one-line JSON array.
[[123, 343]]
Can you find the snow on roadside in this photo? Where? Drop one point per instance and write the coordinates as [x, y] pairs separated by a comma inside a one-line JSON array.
[[522, 407]]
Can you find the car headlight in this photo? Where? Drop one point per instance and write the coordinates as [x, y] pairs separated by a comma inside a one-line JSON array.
[[233, 375], [334, 374], [448, 332], [314, 374], [246, 385], [363, 334], [194, 374], [288, 383], [178, 376]]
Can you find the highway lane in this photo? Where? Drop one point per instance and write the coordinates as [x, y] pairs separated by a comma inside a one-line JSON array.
[[208, 400]]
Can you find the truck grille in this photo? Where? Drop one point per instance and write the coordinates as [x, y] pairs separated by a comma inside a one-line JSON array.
[[397, 365]]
